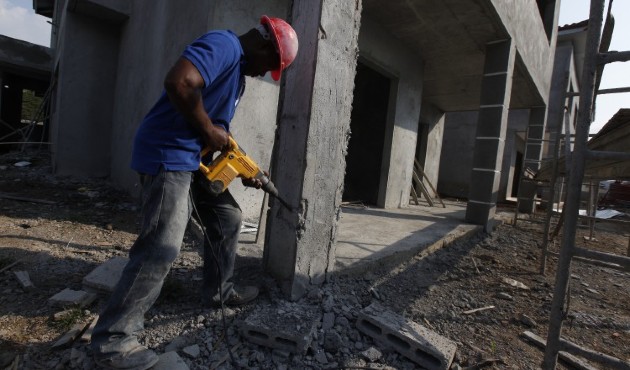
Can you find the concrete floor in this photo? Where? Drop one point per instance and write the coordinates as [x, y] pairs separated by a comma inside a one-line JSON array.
[[373, 235], [368, 236]]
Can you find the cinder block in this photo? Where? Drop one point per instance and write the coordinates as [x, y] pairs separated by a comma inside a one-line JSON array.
[[289, 327], [419, 344], [104, 278]]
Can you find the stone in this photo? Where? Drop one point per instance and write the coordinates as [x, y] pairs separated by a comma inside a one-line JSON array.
[[328, 321], [372, 354], [505, 296], [69, 297], [170, 361], [104, 278], [175, 344], [332, 342], [24, 279], [192, 351], [320, 357], [528, 321]]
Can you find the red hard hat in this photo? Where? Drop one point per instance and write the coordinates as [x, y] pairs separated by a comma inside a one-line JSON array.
[[286, 42]]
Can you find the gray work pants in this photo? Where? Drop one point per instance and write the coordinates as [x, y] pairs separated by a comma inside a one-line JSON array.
[[166, 210]]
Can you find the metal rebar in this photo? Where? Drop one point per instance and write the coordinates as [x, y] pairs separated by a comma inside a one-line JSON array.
[[574, 188]]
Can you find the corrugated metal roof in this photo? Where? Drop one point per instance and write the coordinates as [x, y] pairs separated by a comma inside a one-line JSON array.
[[582, 24]]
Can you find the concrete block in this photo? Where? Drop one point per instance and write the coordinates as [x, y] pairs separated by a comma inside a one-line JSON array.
[[69, 297], [104, 278], [170, 361], [23, 279], [419, 344], [289, 327]]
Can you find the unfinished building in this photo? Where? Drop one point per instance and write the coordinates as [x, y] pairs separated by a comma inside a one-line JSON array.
[[374, 87], [24, 74]]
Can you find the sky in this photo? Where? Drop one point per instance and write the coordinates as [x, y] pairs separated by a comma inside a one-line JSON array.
[[18, 20], [615, 74]]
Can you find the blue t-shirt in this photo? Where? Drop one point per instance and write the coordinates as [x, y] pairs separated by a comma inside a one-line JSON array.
[[165, 139]]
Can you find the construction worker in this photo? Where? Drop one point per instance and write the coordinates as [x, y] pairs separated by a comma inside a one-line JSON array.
[[201, 93]]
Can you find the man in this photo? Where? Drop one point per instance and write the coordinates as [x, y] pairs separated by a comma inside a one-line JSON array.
[[201, 93]]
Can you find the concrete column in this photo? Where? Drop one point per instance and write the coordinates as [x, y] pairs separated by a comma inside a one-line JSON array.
[[533, 156], [309, 153], [496, 88]]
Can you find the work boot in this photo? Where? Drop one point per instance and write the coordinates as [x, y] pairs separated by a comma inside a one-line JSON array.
[[242, 295], [138, 358]]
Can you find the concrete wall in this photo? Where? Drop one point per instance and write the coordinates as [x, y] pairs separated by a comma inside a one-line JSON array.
[[458, 145], [81, 121], [393, 59], [114, 71], [254, 123]]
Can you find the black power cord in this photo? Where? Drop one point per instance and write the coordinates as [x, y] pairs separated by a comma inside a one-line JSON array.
[[216, 260]]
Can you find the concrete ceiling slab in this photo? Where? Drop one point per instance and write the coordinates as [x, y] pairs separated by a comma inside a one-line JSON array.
[[451, 36]]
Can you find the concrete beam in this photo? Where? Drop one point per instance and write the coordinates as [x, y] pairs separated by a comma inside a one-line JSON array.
[[310, 149], [496, 89], [107, 10]]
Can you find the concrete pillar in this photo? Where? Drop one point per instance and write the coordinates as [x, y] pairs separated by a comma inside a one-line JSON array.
[[533, 156], [496, 88], [309, 153]]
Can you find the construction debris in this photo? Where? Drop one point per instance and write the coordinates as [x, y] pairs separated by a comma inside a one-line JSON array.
[[170, 361], [419, 344], [104, 278], [291, 329], [24, 279], [68, 338], [69, 297]]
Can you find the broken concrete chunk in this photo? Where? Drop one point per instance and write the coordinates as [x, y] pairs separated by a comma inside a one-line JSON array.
[[87, 336], [328, 321], [104, 278], [291, 329], [515, 283], [192, 351], [24, 279], [175, 344], [372, 354], [69, 297], [170, 361], [69, 336], [419, 344]]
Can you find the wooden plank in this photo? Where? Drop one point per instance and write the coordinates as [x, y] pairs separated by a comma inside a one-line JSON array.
[[414, 195], [423, 189], [602, 358], [566, 357], [421, 170]]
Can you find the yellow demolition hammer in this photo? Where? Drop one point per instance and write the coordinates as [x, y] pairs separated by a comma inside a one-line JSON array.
[[231, 163]]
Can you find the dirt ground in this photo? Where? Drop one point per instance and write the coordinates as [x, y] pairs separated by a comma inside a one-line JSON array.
[[65, 227]]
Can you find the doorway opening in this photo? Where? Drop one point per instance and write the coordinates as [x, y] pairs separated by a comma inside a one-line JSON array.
[[368, 123]]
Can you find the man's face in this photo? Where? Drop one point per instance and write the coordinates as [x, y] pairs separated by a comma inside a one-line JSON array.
[[262, 61]]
